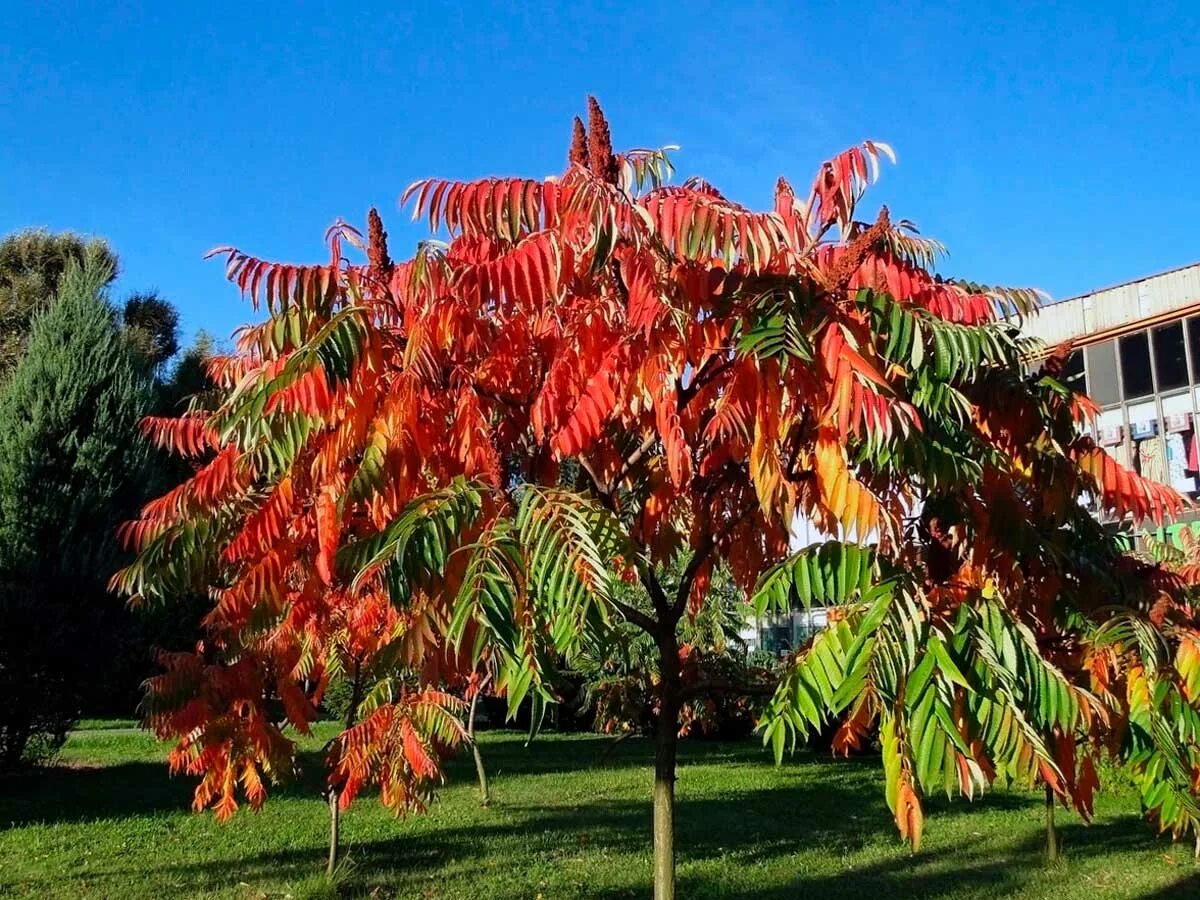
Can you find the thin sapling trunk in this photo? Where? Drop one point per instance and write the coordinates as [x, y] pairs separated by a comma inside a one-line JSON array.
[[1052, 846], [485, 796], [332, 794], [665, 758]]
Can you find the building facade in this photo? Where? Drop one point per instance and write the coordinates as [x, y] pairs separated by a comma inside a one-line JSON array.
[[1137, 355]]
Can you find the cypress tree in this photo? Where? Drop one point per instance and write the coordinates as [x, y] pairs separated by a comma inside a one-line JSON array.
[[71, 465], [32, 264]]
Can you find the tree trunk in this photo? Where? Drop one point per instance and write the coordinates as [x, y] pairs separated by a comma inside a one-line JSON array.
[[331, 792], [666, 742], [334, 831], [1052, 848], [485, 796]]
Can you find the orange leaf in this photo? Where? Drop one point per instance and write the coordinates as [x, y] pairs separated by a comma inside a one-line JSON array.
[[909, 818], [328, 533]]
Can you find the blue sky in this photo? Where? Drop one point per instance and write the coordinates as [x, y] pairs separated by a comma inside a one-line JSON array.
[[1046, 147]]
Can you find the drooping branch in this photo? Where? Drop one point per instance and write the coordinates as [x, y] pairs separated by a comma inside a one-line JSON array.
[[636, 616]]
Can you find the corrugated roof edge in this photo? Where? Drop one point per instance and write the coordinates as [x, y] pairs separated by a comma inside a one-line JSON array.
[[1121, 284]]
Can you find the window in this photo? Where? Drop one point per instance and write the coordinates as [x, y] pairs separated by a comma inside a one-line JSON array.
[[1193, 328], [1136, 376], [1072, 375], [1102, 373], [1170, 359]]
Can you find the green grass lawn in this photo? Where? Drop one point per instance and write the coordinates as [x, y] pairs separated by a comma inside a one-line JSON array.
[[108, 821]]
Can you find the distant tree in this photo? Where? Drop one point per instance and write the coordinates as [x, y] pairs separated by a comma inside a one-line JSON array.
[[152, 324], [189, 378], [137, 635], [32, 263], [720, 688], [71, 462]]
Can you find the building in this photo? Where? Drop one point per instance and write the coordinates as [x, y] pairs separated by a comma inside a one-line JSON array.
[[1138, 357], [777, 633]]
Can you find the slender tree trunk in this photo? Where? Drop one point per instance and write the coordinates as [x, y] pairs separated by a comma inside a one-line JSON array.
[[334, 830], [666, 743], [1052, 848], [332, 793], [485, 796]]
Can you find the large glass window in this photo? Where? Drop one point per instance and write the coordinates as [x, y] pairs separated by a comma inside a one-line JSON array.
[[1193, 328], [1136, 376], [1170, 359], [1102, 373]]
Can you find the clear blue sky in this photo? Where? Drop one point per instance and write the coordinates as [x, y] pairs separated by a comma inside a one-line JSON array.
[[1052, 147]]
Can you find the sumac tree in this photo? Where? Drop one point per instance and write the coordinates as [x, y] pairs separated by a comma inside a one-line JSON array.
[[603, 377]]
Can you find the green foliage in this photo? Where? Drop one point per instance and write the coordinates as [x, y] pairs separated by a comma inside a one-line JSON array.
[[828, 574], [722, 686], [69, 458], [885, 657], [151, 324], [189, 378], [414, 547], [1162, 743], [559, 554], [71, 464], [336, 700], [32, 265]]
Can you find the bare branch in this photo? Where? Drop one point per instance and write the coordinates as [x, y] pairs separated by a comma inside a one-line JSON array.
[[647, 623]]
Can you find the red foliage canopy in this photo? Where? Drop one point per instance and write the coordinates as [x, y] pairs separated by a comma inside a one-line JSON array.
[[595, 374]]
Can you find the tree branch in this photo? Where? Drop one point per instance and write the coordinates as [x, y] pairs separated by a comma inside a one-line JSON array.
[[635, 458], [707, 544], [636, 616], [703, 377], [602, 491], [658, 597]]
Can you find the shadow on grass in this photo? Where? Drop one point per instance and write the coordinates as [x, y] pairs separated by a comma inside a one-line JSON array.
[[709, 829], [86, 793], [842, 813], [82, 792], [972, 868], [745, 827], [1188, 889]]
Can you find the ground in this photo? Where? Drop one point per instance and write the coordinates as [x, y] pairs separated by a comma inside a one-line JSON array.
[[107, 821]]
